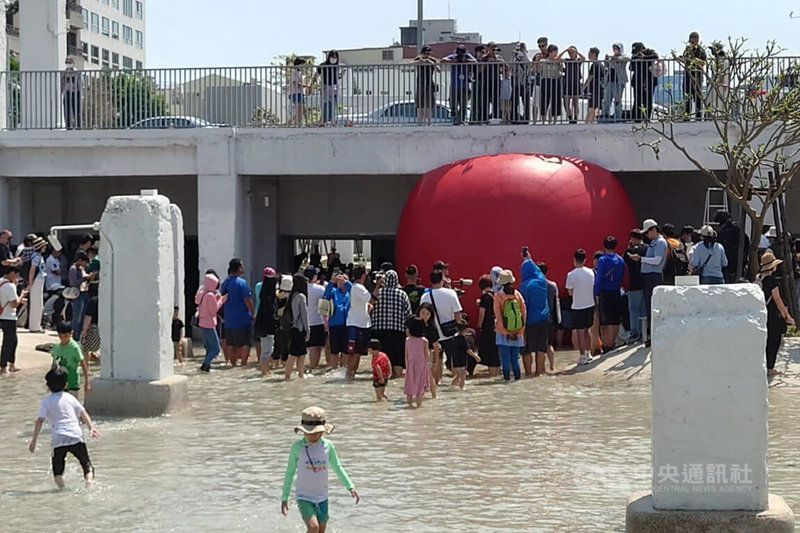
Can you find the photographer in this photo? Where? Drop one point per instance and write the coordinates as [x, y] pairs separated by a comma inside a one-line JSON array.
[[459, 82], [425, 96], [522, 86]]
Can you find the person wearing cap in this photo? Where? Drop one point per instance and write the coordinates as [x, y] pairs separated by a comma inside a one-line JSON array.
[[580, 285], [693, 60], [687, 234], [316, 456], [459, 82], [636, 308], [778, 317], [652, 266], [389, 315], [708, 258], [774, 245], [36, 278], [763, 243], [426, 86], [444, 268], [265, 324], [413, 288], [317, 336], [447, 311], [521, 97], [78, 278], [510, 316]]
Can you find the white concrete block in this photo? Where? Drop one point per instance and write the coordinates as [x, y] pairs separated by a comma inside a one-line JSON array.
[[219, 220], [138, 280], [176, 219], [709, 398]]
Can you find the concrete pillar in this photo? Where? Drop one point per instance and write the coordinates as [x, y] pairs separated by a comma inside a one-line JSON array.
[[42, 47], [176, 220], [136, 300], [710, 412]]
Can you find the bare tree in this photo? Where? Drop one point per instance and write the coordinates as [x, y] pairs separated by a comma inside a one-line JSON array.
[[752, 99]]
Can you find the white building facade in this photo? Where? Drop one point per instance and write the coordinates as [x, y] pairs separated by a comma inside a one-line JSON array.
[[113, 34]]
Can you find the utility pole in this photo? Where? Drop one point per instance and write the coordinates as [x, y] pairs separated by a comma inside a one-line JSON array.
[[419, 24]]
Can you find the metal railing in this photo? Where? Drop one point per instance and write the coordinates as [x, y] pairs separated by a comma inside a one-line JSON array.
[[12, 30], [483, 93], [74, 6]]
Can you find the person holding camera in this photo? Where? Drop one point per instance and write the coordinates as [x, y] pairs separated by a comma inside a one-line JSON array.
[[9, 302], [459, 82], [521, 95], [447, 312], [425, 96]]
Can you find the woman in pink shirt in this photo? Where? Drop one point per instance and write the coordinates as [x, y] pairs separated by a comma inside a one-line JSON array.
[[209, 303]]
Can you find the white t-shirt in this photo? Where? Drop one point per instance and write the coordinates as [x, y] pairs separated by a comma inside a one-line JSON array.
[[8, 293], [315, 293], [581, 282], [63, 412], [359, 313], [447, 305], [52, 265]]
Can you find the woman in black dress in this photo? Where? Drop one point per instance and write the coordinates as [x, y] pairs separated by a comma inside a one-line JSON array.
[[573, 82], [487, 348], [425, 312], [778, 316]]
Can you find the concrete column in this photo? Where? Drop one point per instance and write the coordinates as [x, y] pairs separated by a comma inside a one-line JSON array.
[[43, 47], [176, 220]]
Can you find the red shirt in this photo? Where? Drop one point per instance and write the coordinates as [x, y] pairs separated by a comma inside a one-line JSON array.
[[381, 360]]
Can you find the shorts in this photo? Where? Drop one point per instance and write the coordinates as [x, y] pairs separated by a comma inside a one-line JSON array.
[[309, 510], [281, 350], [537, 337], [610, 308], [267, 345], [393, 344], [239, 337], [582, 318], [297, 343], [297, 98], [357, 340], [78, 450], [379, 383], [338, 339], [317, 337]]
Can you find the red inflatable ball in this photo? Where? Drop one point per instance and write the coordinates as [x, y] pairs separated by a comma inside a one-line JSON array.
[[480, 212]]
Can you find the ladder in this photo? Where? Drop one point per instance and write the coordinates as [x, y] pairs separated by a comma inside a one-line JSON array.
[[716, 200]]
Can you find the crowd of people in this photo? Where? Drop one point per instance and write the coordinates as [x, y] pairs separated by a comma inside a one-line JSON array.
[[417, 330]]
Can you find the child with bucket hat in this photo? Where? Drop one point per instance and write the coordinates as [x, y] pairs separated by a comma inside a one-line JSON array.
[[316, 455]]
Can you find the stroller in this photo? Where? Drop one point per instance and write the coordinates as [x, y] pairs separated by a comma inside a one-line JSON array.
[[56, 307]]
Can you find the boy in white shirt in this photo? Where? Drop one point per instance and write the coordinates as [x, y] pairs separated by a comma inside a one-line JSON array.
[[64, 413], [580, 284]]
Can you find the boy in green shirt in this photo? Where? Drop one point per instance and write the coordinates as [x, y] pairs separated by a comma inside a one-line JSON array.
[[67, 353]]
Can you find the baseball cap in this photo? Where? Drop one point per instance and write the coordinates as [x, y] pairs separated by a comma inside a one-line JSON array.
[[427, 49], [440, 265], [648, 225], [269, 272], [310, 271]]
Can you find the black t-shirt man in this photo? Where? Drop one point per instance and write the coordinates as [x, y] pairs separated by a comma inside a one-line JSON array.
[[414, 293], [635, 267], [5, 255]]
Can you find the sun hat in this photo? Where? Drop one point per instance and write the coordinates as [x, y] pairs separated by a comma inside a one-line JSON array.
[[39, 244], [313, 421], [648, 225], [286, 283], [772, 232], [768, 261], [506, 277], [707, 231], [269, 272]]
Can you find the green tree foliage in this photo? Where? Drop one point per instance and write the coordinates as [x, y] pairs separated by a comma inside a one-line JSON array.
[[119, 99]]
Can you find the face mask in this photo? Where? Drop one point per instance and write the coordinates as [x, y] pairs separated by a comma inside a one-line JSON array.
[[68, 65]]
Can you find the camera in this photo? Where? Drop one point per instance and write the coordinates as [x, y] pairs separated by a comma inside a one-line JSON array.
[[463, 282]]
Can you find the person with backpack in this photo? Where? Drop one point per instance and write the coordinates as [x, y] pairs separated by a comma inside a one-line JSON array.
[[677, 256], [510, 316], [709, 259], [607, 282], [534, 291], [580, 284], [295, 321], [653, 264]]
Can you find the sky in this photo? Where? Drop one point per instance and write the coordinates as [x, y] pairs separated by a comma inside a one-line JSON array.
[[197, 33]]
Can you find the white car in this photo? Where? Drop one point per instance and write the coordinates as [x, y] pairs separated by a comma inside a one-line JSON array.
[[173, 122], [403, 112]]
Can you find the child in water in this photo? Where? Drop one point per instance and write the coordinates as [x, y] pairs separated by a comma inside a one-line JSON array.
[[64, 413], [417, 356], [462, 348], [316, 456], [381, 369]]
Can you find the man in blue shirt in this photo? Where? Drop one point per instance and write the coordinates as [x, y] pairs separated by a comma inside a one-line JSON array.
[[239, 312], [652, 265], [607, 282], [459, 82], [537, 323], [338, 292]]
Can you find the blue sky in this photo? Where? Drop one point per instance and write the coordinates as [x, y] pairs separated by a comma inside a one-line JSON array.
[[253, 32]]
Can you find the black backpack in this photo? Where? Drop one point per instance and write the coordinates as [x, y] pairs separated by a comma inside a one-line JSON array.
[[287, 318], [677, 260]]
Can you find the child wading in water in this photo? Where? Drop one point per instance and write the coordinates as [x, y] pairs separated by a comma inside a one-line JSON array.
[[67, 354], [462, 350], [316, 455], [381, 369], [64, 413], [417, 354]]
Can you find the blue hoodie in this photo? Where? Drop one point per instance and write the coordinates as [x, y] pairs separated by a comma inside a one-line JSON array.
[[534, 292]]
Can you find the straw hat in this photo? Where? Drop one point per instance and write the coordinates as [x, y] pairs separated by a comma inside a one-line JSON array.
[[39, 244], [313, 421], [768, 261], [506, 277]]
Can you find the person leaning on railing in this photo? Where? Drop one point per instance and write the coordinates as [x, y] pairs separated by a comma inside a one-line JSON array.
[[615, 82], [720, 78], [694, 60], [71, 87], [550, 70], [459, 82], [331, 74], [425, 95]]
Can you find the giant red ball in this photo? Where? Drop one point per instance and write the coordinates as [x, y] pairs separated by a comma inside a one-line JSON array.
[[480, 212]]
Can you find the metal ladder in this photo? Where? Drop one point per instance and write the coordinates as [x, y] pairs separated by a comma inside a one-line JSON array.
[[713, 208]]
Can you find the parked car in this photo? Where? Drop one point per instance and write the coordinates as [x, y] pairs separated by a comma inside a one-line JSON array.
[[173, 122], [402, 112]]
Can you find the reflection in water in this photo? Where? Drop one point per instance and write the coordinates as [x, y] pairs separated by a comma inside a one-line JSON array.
[[543, 455]]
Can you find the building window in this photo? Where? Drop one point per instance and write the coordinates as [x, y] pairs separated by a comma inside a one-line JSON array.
[[115, 60], [127, 8], [115, 4], [139, 65], [114, 29], [127, 62], [95, 23], [387, 55], [106, 55], [85, 50], [95, 55], [139, 9], [127, 34], [106, 25], [139, 39], [85, 17], [105, 2]]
